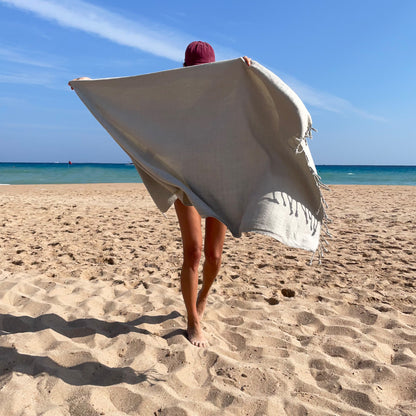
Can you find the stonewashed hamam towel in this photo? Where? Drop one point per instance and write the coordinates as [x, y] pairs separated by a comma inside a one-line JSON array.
[[228, 138]]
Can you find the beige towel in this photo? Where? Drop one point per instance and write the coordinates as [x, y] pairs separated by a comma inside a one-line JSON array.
[[225, 137]]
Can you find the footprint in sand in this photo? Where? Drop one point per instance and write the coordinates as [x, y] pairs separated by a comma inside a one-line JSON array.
[[326, 375], [125, 400], [309, 319], [173, 360]]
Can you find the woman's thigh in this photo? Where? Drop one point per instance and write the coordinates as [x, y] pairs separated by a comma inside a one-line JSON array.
[[190, 224], [214, 236]]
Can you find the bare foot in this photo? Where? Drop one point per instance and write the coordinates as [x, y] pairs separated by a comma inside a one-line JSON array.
[[201, 302], [196, 336]]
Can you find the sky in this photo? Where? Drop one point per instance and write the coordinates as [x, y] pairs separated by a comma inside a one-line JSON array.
[[352, 62]]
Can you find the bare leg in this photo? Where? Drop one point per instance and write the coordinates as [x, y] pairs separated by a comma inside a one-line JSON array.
[[213, 244], [190, 224]]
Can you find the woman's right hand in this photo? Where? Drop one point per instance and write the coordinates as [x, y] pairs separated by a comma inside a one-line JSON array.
[[78, 79], [247, 60]]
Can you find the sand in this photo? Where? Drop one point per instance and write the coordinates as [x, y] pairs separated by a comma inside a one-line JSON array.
[[92, 320]]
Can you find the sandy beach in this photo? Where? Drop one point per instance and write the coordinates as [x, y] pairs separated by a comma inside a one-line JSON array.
[[92, 320]]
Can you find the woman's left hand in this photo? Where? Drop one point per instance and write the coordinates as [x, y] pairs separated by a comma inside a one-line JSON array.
[[78, 79]]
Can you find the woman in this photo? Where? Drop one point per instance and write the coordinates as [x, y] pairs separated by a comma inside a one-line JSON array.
[[190, 224]]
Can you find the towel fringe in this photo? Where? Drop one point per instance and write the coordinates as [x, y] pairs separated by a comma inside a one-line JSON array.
[[323, 205]]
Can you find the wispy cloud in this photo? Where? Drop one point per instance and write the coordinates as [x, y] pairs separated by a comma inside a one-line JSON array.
[[77, 14], [325, 101], [149, 37], [25, 58], [19, 79], [41, 79]]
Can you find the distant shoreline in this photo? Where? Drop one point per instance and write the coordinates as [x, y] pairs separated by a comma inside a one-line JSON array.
[[130, 163]]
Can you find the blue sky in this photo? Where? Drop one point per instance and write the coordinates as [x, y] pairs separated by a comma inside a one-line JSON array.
[[353, 63]]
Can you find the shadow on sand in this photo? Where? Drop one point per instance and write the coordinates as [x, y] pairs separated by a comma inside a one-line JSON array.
[[88, 373]]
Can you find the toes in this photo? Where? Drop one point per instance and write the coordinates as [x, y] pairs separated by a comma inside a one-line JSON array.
[[199, 344]]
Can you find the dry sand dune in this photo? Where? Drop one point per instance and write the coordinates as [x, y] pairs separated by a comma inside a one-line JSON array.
[[92, 320]]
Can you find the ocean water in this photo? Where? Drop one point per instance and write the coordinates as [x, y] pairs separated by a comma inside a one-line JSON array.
[[50, 173], [367, 175], [54, 173]]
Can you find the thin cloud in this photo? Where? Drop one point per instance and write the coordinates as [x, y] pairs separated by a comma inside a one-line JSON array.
[[41, 79], [19, 79], [12, 55], [89, 18], [326, 101], [155, 39]]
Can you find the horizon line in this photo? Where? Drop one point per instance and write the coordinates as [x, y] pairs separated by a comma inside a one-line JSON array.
[[131, 163]]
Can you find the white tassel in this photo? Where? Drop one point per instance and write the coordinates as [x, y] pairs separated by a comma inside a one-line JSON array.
[[323, 206]]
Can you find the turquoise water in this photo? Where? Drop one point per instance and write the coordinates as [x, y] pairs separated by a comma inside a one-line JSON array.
[[367, 175], [49, 173]]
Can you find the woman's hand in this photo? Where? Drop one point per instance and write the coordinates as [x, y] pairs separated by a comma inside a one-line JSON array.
[[78, 79], [247, 60]]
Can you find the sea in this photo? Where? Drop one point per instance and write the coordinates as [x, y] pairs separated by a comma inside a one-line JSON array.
[[60, 173]]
